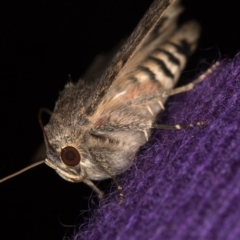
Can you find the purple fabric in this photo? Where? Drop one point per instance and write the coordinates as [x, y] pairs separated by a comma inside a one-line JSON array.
[[183, 184]]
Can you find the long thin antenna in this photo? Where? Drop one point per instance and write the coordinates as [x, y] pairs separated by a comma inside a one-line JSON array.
[[22, 170]]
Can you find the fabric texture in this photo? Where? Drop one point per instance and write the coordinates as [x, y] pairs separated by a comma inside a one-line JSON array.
[[183, 184]]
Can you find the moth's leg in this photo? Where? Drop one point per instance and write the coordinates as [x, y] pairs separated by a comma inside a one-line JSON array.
[[165, 94], [143, 127], [177, 126], [160, 104], [106, 168], [94, 187], [145, 134], [191, 85], [150, 110]]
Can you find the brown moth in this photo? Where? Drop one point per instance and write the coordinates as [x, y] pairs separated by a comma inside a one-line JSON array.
[[95, 130], [97, 127]]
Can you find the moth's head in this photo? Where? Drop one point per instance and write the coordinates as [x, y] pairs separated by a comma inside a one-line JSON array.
[[63, 154], [66, 162]]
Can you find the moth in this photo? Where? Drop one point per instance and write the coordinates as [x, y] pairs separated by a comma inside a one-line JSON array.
[[97, 126]]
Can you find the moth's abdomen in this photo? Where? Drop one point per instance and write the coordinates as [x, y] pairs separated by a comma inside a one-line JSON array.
[[164, 64]]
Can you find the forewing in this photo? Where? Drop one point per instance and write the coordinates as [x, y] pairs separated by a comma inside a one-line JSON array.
[[143, 29], [163, 29], [136, 70], [159, 71]]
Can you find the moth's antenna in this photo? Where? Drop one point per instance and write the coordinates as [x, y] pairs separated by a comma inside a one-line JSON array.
[[47, 141], [21, 171], [41, 110]]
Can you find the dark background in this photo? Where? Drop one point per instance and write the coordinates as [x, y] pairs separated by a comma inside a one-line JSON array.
[[41, 43]]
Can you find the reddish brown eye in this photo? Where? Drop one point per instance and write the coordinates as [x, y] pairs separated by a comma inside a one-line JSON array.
[[70, 156]]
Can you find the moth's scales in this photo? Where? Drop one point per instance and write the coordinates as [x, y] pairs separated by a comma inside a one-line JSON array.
[[109, 137]]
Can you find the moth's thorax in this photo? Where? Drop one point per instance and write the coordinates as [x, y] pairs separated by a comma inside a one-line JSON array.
[[115, 148]]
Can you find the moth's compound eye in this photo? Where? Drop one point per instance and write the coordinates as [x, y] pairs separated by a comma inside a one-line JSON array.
[[70, 156]]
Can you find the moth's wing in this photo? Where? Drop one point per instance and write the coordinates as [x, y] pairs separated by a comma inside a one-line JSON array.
[[158, 72], [143, 29], [162, 32], [164, 28]]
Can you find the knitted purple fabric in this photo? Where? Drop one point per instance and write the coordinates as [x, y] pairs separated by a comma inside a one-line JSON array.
[[183, 184]]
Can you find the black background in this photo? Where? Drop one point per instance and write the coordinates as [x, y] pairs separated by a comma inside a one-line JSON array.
[[41, 43]]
